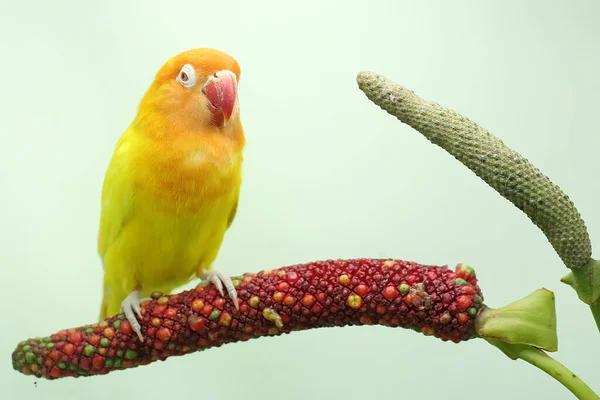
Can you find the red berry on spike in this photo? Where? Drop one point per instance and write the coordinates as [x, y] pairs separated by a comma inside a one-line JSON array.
[[390, 292], [463, 302]]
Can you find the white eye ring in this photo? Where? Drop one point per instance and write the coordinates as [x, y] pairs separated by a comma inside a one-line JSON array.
[[187, 76]]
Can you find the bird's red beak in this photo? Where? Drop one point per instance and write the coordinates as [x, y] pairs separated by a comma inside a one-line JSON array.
[[221, 91]]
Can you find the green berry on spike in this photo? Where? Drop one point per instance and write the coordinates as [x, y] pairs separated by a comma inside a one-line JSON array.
[[214, 315], [403, 288], [89, 350], [29, 357]]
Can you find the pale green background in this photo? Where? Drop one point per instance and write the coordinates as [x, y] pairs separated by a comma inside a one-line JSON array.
[[327, 175]]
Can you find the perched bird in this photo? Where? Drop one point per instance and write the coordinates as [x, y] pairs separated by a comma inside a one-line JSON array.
[[172, 186]]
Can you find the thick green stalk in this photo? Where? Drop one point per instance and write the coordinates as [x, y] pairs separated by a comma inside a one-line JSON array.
[[595, 307], [586, 282], [549, 365]]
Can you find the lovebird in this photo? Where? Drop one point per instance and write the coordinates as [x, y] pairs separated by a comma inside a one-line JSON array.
[[171, 189]]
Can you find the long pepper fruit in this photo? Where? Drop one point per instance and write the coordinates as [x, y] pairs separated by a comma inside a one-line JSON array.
[[505, 170], [434, 300]]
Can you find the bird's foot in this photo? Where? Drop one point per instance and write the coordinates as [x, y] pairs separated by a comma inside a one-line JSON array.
[[220, 279], [131, 307]]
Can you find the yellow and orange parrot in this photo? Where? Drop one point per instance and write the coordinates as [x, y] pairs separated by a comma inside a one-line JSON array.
[[172, 187]]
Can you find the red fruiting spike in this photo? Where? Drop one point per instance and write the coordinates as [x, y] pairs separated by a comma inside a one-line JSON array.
[[390, 292], [463, 302], [361, 290], [55, 372], [126, 327], [219, 303]]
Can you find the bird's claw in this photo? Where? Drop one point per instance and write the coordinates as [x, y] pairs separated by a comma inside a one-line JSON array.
[[220, 280], [131, 307]]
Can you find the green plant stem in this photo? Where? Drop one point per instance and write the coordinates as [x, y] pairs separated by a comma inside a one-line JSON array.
[[549, 365], [595, 307], [586, 282]]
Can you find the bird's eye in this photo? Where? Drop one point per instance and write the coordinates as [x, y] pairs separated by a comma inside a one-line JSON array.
[[187, 76]]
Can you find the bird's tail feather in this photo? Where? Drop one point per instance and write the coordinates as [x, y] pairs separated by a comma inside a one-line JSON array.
[[105, 305]]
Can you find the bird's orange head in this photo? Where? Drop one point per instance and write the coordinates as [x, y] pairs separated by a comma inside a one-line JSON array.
[[194, 91]]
